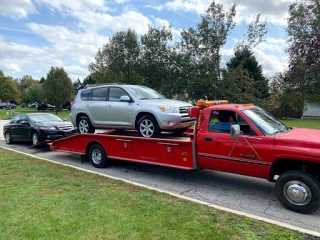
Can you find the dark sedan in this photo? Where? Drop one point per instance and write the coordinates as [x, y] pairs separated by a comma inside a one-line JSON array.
[[36, 127]]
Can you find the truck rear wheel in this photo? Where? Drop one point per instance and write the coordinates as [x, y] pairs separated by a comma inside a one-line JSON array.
[[298, 191], [97, 156]]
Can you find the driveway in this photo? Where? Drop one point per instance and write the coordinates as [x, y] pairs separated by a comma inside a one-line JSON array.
[[250, 195]]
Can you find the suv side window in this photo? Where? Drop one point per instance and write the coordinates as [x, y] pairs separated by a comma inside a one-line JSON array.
[[115, 93], [86, 95], [99, 94]]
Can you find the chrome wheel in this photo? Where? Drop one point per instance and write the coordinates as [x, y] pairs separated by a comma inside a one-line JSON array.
[[96, 156], [297, 193], [83, 126], [8, 138], [35, 138], [147, 128]]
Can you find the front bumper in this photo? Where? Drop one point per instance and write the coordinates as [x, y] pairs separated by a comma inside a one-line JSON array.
[[169, 121], [50, 135]]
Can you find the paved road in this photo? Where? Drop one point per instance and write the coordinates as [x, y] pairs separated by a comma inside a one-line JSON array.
[[251, 195]]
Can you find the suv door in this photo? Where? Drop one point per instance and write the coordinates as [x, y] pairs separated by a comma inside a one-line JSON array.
[[96, 106], [119, 113]]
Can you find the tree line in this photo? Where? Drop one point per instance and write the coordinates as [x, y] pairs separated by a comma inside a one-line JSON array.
[[190, 69]]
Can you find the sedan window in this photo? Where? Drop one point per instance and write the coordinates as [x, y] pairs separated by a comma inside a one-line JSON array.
[[45, 117], [16, 119]]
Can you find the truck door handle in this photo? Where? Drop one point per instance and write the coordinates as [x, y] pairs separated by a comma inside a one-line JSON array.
[[207, 139]]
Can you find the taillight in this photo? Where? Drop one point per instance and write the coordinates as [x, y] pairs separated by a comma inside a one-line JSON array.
[[73, 103]]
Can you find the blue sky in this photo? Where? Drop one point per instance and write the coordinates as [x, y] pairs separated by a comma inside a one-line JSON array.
[[38, 34]]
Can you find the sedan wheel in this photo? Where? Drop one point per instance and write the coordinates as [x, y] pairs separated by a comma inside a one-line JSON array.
[[35, 138], [8, 138]]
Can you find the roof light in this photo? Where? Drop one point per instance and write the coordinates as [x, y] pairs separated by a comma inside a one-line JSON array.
[[203, 103], [247, 104]]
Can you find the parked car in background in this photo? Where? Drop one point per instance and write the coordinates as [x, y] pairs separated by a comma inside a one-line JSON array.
[[45, 106], [6, 105], [33, 105], [36, 127], [128, 107]]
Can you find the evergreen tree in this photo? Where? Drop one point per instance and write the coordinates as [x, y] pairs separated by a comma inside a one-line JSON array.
[[244, 59]]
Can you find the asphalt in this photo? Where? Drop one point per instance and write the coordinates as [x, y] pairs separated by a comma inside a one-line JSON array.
[[240, 193]]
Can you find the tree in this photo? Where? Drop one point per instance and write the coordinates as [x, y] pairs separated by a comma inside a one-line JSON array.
[[202, 47], [57, 87], [117, 61], [34, 93], [42, 80], [244, 59], [26, 81], [303, 33], [8, 88]]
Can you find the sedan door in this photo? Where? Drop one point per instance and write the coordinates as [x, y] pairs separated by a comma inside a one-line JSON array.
[[23, 128]]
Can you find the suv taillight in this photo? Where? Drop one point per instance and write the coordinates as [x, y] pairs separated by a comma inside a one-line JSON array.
[[73, 103]]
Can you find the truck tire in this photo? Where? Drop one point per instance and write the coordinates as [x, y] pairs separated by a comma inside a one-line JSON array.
[[148, 127], [97, 156], [298, 191], [84, 125]]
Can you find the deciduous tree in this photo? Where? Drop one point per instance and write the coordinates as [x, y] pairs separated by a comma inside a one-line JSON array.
[[57, 87], [8, 88]]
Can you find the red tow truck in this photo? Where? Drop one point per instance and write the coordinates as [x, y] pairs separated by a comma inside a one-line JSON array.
[[235, 138]]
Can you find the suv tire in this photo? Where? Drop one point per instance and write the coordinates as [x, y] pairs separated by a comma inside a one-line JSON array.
[[148, 127], [84, 125]]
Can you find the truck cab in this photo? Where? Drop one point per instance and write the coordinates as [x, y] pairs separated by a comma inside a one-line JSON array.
[[244, 139]]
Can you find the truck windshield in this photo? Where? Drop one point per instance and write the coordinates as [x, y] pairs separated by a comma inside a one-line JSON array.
[[265, 122]]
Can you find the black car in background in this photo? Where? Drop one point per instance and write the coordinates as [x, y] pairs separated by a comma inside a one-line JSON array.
[[6, 105], [36, 127], [45, 106]]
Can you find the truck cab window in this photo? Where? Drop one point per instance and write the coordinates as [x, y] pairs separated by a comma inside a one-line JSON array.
[[221, 121], [244, 126]]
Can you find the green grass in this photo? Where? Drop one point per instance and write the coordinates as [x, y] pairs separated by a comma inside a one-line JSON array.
[[41, 200], [302, 123], [19, 110]]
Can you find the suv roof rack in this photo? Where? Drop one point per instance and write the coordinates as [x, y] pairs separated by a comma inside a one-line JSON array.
[[103, 84]]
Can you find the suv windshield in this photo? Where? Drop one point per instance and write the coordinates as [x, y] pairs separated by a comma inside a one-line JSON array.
[[265, 122], [45, 118], [144, 92]]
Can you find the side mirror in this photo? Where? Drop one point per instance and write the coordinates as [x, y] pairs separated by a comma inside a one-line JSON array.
[[235, 131], [24, 123], [125, 99]]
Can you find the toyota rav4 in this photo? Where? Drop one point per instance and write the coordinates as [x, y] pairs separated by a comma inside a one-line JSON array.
[[116, 106]]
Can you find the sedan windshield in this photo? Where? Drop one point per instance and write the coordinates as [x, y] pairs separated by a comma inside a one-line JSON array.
[[265, 122], [45, 117], [144, 92]]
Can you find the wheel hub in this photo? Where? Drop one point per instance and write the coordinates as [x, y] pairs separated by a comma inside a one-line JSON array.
[[96, 156], [297, 193], [147, 128], [83, 126]]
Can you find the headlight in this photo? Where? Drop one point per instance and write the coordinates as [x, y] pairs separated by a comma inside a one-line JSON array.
[[168, 109], [48, 128]]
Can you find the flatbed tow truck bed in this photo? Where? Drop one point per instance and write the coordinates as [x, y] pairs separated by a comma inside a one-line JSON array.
[[167, 150]]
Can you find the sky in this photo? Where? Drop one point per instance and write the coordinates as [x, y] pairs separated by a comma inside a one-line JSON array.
[[38, 34]]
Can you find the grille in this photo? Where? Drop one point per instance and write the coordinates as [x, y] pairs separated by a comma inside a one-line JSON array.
[[65, 128], [184, 111]]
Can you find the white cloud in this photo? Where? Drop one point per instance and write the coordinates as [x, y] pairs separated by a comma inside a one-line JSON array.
[[17, 8], [74, 5], [273, 45], [276, 11]]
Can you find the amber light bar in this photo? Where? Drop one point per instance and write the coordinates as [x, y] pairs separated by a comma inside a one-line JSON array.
[[203, 103]]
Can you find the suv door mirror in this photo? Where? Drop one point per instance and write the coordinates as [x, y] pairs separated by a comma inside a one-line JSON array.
[[125, 99], [235, 131]]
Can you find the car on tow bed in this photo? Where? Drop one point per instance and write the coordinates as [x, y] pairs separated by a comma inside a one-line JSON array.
[[36, 128]]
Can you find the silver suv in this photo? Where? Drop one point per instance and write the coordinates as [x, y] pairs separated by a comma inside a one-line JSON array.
[[118, 106]]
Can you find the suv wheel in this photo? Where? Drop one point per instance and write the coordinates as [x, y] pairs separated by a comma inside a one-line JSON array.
[[148, 127], [84, 125]]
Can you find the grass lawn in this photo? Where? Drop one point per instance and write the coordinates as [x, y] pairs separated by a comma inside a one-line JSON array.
[[20, 110], [302, 123], [41, 200]]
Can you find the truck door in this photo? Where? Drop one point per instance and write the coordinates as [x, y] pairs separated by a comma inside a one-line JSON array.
[[247, 155]]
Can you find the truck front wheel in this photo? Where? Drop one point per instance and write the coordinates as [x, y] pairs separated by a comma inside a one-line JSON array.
[[298, 191], [97, 156]]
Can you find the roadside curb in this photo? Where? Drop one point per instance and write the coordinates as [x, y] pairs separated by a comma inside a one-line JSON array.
[[306, 231]]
